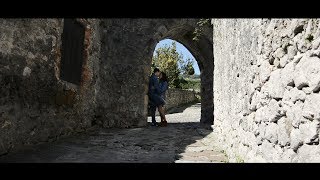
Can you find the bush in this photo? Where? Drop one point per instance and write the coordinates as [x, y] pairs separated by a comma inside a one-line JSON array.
[[189, 83]]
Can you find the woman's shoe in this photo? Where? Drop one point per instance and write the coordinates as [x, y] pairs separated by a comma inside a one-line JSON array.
[[163, 124]]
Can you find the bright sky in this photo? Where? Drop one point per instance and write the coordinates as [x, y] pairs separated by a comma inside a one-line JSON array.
[[181, 50]]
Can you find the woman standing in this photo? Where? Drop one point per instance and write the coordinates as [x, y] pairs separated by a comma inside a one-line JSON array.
[[163, 88]]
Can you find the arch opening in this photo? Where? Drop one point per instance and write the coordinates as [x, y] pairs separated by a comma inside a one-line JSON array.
[[202, 51], [124, 68], [183, 73]]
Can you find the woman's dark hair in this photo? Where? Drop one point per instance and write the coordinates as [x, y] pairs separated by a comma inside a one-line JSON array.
[[164, 77]]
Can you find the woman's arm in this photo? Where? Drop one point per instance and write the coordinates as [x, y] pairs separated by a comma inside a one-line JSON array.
[[163, 87]]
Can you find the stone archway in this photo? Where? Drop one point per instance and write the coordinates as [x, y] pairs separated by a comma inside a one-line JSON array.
[[184, 35], [128, 45]]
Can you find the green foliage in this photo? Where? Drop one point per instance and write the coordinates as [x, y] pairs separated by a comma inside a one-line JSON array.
[[168, 60], [187, 67], [199, 29], [186, 83]]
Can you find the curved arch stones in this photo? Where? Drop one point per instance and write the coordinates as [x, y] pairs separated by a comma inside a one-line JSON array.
[[126, 53]]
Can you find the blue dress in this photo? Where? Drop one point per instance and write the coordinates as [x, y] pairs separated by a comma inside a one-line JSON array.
[[155, 92], [163, 88]]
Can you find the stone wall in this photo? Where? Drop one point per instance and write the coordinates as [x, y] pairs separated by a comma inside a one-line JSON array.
[[266, 89], [122, 91], [178, 97], [127, 49], [35, 105]]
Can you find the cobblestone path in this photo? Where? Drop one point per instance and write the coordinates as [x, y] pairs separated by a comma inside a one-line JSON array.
[[183, 140]]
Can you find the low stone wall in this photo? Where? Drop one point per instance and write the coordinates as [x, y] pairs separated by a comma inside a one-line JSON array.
[[178, 97], [266, 89]]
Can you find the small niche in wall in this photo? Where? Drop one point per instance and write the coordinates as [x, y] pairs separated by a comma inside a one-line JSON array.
[[72, 51], [298, 30]]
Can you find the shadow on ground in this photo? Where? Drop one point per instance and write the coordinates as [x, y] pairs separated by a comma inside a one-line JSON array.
[[149, 144], [183, 140], [182, 108], [179, 109]]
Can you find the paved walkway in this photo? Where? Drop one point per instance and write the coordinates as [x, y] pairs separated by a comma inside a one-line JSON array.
[[181, 141]]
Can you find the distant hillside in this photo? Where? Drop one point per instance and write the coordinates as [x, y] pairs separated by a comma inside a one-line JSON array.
[[195, 76]]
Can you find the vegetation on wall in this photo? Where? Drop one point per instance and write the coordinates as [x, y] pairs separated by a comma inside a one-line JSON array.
[[199, 29]]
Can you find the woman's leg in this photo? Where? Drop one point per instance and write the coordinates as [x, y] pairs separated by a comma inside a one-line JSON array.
[[160, 112], [162, 115]]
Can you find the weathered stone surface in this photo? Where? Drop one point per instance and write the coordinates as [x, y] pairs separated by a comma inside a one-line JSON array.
[[294, 112], [178, 97], [279, 53], [315, 53], [310, 132], [258, 100], [254, 100], [308, 29], [303, 45], [297, 58], [316, 43], [269, 152], [296, 27], [284, 61], [270, 28], [292, 51], [26, 71], [278, 99], [311, 106], [308, 154], [252, 125], [40, 106], [265, 70], [284, 130], [276, 63], [308, 73], [307, 90], [113, 88], [269, 113], [294, 95], [271, 133], [35, 104], [129, 46], [288, 155], [287, 74], [274, 87], [248, 139], [296, 139]]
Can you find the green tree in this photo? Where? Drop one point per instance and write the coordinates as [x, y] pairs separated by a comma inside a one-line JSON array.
[[167, 59], [187, 67]]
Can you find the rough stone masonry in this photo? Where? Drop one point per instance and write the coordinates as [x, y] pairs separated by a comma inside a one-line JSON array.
[[35, 104], [266, 89], [261, 75], [179, 97], [39, 103]]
